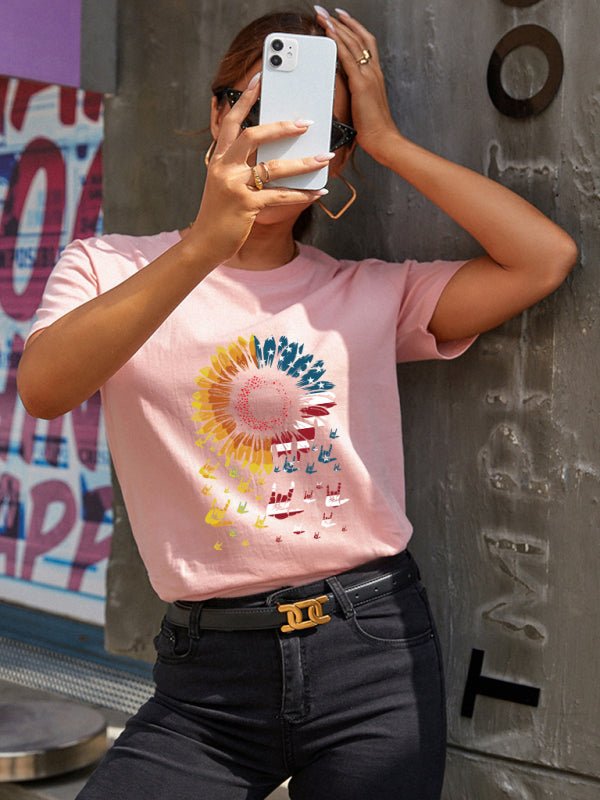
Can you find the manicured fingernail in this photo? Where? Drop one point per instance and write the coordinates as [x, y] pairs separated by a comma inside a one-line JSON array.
[[324, 156], [330, 25], [254, 80], [342, 12], [322, 192], [322, 11], [303, 123]]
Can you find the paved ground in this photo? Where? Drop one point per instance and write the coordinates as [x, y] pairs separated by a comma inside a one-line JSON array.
[[66, 787]]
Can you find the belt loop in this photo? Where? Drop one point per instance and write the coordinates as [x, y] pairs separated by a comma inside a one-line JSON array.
[[194, 623], [341, 596], [414, 565]]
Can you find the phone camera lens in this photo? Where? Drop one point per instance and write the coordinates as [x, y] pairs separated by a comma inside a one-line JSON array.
[[277, 61], [277, 44]]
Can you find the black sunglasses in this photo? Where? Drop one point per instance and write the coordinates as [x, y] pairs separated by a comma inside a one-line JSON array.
[[340, 134]]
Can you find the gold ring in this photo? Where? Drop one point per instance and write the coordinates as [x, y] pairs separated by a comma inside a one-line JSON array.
[[363, 60], [367, 54], [258, 182], [267, 177]]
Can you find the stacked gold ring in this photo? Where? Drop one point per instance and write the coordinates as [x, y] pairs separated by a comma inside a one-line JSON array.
[[267, 177], [258, 181], [365, 57]]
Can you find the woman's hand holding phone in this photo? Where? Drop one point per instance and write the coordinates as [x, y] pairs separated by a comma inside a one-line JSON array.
[[231, 200]]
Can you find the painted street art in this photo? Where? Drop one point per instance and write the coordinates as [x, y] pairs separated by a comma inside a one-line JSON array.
[[55, 487]]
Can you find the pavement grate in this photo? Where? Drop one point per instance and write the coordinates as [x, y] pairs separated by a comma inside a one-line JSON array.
[[38, 668]]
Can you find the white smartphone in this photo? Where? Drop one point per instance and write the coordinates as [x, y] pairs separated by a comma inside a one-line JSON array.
[[298, 82]]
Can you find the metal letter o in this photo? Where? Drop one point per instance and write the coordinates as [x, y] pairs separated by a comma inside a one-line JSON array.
[[534, 36]]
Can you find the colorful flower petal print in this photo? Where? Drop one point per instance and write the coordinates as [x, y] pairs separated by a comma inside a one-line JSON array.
[[261, 400]]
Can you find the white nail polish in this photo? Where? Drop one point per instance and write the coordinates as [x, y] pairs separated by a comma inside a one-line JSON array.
[[330, 25], [323, 192], [342, 12], [322, 11], [254, 80], [324, 156], [303, 123]]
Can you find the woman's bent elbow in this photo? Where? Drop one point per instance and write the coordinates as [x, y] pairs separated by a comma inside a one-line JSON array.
[[35, 399], [556, 265], [35, 408], [567, 257]]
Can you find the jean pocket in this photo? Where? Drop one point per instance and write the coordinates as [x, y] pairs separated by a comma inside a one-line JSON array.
[[400, 619], [173, 643]]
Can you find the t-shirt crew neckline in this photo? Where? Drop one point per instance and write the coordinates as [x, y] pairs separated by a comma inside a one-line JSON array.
[[297, 266]]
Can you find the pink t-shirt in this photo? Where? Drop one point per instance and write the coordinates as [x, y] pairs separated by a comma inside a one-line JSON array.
[[256, 435]]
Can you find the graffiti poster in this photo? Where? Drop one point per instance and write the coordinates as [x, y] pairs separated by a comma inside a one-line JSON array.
[[55, 489]]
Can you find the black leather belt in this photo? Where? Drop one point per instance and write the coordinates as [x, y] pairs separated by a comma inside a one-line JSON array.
[[259, 618]]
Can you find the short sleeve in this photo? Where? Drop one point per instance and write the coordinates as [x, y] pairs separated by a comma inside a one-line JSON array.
[[72, 283], [424, 283]]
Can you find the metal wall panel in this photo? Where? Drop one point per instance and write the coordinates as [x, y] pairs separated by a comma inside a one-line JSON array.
[[502, 446], [473, 777]]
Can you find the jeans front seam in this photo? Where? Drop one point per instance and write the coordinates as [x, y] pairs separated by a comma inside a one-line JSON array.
[[294, 701], [288, 755]]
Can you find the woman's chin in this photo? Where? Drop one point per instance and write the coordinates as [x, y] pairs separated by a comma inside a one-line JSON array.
[[277, 214]]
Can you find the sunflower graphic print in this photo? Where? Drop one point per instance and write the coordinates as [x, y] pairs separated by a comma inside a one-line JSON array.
[[268, 462]]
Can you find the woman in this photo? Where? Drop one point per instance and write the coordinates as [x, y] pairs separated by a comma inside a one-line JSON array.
[[240, 372]]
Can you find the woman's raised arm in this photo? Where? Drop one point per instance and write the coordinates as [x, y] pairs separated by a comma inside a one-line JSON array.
[[65, 363], [528, 256]]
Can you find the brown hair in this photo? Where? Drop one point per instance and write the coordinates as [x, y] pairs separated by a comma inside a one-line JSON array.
[[246, 49]]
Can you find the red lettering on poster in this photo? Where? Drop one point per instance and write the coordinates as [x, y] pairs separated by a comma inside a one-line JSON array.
[[8, 398], [67, 107], [40, 155], [25, 91], [92, 105], [27, 255], [90, 201], [86, 422], [10, 494], [40, 540], [91, 550]]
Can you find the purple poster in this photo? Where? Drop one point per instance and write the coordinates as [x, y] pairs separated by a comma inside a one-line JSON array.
[[41, 40], [55, 489]]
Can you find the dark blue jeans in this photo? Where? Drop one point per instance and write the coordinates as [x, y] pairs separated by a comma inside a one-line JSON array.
[[351, 709]]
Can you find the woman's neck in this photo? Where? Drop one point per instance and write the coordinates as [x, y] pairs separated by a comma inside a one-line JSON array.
[[267, 247]]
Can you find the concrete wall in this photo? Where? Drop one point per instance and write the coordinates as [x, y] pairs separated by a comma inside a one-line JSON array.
[[503, 456]]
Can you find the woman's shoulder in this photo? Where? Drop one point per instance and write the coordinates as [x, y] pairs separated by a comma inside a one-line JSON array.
[[128, 245], [369, 267], [110, 258]]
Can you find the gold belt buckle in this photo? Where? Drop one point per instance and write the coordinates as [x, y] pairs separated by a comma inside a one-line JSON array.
[[294, 614]]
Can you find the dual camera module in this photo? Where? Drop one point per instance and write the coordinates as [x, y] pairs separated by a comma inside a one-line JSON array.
[[276, 60], [282, 53]]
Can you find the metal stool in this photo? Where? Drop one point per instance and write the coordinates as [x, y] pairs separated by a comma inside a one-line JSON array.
[[41, 738]]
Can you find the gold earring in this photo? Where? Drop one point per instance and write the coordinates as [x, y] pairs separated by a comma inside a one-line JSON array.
[[209, 152], [344, 208]]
